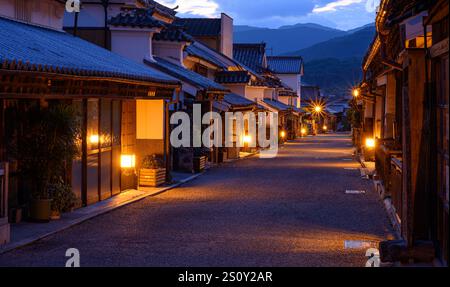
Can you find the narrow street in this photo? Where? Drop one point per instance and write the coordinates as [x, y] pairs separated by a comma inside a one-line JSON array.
[[288, 211]]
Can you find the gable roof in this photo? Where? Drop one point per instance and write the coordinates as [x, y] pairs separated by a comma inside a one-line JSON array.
[[186, 75], [251, 55], [277, 105], [32, 48], [238, 101], [199, 50], [174, 34], [285, 64], [201, 27], [135, 17]]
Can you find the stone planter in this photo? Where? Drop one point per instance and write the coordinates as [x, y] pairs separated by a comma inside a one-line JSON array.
[[199, 164], [152, 177]]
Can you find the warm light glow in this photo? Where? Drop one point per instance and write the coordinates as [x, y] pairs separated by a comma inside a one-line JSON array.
[[325, 128], [127, 161], [247, 139], [303, 131], [317, 109], [370, 143], [94, 139], [283, 134], [356, 93]]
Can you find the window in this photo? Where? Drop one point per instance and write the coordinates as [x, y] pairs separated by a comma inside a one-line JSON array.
[[202, 70]]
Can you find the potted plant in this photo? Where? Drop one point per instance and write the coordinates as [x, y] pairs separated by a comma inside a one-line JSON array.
[[152, 172], [47, 142], [63, 199]]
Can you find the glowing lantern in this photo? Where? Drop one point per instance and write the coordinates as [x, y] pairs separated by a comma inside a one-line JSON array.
[[370, 143], [283, 134], [247, 139], [94, 139], [127, 161]]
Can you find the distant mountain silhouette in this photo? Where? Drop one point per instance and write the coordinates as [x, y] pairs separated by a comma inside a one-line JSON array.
[[287, 38], [354, 44], [333, 58]]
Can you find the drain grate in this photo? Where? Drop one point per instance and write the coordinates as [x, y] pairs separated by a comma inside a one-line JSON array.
[[349, 191]]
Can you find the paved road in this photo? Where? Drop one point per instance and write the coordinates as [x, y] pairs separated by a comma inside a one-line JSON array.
[[287, 211]]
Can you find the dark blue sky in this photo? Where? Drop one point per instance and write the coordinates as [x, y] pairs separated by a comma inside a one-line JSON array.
[[341, 14]]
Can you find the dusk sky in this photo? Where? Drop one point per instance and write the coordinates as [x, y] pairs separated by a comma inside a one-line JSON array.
[[341, 14]]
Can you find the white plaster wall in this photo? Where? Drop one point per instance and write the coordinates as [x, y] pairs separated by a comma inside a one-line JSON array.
[[135, 45], [48, 13], [237, 89], [270, 94], [91, 15], [253, 93], [171, 51], [7, 8], [226, 35]]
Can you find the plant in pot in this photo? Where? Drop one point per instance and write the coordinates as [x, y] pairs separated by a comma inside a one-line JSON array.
[[44, 146], [63, 199], [152, 172]]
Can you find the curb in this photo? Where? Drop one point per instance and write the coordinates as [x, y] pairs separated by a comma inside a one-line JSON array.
[[72, 223]]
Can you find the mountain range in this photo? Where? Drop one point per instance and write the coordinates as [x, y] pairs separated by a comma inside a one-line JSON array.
[[332, 57]]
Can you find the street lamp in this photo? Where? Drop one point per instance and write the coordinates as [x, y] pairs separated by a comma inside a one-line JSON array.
[[356, 92], [317, 109], [283, 134]]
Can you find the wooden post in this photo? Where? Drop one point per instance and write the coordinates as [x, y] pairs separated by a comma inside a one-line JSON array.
[[415, 173]]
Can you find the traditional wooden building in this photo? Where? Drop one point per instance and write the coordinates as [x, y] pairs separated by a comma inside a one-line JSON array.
[[41, 65], [404, 108]]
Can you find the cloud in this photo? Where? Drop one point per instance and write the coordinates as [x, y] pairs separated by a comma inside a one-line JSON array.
[[204, 8], [332, 6]]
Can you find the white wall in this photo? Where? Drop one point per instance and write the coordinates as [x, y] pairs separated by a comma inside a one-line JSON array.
[[91, 15], [238, 90], [255, 93], [133, 44], [48, 13], [171, 51], [226, 35]]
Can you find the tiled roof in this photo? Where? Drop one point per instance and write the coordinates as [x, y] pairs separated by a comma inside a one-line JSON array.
[[200, 27], [136, 17], [33, 48], [197, 49], [310, 93], [238, 101], [251, 55], [186, 75], [285, 65], [164, 10], [232, 77], [174, 34], [277, 105]]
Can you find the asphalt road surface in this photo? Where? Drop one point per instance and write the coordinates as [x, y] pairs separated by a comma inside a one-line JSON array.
[[288, 211]]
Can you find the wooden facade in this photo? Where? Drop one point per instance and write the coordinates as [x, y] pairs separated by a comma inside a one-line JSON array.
[[405, 108]]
